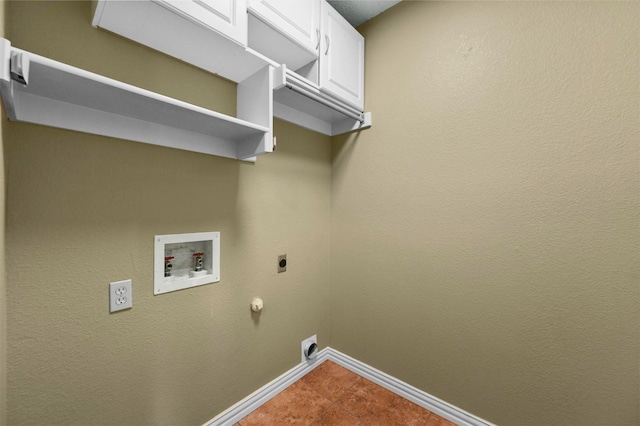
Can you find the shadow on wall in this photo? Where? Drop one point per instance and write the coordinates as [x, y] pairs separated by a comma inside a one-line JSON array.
[[342, 147], [116, 182]]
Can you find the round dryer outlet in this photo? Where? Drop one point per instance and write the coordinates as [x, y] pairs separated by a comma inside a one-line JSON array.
[[309, 348]]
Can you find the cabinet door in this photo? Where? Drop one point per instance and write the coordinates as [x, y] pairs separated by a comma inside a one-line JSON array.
[[341, 58], [298, 20], [228, 17]]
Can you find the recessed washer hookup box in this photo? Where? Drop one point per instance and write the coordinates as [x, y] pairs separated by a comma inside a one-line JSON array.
[[185, 260]]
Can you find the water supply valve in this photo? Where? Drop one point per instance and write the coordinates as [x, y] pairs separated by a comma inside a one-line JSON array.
[[168, 265], [198, 261], [198, 265]]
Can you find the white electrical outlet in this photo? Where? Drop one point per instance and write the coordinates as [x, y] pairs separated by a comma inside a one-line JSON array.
[[120, 295], [309, 348]]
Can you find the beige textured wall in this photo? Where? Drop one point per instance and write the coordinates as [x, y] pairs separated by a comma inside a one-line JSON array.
[[485, 241], [3, 284], [83, 210]]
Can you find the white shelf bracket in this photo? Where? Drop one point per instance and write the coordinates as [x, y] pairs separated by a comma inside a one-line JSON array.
[[5, 77], [280, 77], [255, 104], [19, 67]]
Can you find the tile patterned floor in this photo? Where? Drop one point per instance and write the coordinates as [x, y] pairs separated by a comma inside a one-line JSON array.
[[332, 395]]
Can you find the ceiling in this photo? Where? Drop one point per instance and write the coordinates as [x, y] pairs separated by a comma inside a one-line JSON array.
[[357, 12]]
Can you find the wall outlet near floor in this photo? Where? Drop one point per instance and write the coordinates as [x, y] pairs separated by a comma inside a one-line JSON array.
[[120, 295], [309, 348]]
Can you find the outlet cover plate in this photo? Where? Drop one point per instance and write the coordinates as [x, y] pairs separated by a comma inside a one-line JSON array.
[[120, 295]]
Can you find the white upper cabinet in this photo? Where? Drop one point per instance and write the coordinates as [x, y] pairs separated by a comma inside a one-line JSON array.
[[298, 19], [286, 31], [341, 58], [210, 34], [319, 56], [228, 17]]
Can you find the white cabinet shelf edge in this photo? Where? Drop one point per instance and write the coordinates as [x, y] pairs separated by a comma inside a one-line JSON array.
[[63, 96], [301, 102]]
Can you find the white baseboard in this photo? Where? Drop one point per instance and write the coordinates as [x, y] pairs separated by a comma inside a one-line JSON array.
[[240, 410], [405, 390]]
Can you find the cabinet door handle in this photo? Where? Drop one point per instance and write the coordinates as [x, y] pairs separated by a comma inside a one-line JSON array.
[[328, 40], [318, 38]]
